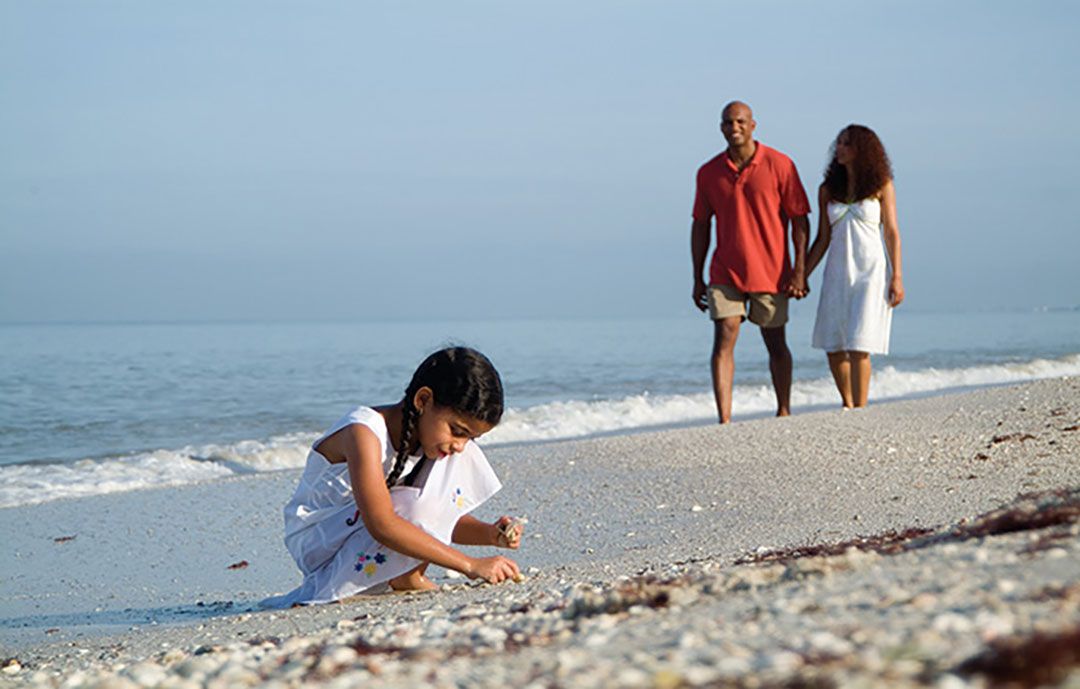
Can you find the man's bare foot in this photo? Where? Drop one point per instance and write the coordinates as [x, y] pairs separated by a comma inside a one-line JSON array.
[[413, 581], [783, 412]]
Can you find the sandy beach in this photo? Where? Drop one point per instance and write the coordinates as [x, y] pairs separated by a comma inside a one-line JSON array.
[[697, 556]]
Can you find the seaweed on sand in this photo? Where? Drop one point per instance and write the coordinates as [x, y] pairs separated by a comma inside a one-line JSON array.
[[1027, 512]]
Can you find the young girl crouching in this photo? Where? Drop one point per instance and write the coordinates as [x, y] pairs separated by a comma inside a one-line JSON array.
[[387, 489]]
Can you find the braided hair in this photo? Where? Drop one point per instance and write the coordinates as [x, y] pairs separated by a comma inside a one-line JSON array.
[[460, 378]]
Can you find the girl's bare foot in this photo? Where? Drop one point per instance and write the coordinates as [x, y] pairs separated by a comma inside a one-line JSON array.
[[413, 581]]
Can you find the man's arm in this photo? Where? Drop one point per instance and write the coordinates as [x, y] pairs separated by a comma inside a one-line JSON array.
[[797, 207], [800, 236], [699, 249]]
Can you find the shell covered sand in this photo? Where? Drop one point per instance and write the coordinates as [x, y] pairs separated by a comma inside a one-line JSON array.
[[989, 601], [816, 557]]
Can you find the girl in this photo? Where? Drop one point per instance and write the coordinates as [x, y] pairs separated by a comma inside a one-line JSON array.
[[386, 489], [858, 291]]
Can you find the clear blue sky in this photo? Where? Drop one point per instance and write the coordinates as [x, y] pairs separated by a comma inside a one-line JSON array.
[[269, 160]]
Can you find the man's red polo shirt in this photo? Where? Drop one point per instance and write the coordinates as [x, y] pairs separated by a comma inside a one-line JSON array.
[[752, 208]]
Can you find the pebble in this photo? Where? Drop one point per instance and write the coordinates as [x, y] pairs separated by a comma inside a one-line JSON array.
[[667, 679], [992, 626], [952, 622], [630, 677], [949, 681], [471, 611], [146, 674], [732, 666], [196, 667], [489, 636], [830, 645], [232, 677]]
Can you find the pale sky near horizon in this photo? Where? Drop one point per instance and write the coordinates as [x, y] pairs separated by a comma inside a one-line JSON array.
[[271, 160]]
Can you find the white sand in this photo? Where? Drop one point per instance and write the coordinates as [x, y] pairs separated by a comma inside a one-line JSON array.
[[149, 571]]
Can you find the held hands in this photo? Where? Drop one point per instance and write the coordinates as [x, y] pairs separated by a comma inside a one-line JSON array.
[[797, 287]]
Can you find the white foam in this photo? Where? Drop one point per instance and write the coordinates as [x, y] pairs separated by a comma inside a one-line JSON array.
[[280, 452], [562, 420], [23, 484]]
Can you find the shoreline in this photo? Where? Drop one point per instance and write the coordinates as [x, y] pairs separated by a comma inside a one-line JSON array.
[[673, 504], [141, 469]]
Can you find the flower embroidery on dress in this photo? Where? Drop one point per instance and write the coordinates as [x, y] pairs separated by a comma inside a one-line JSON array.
[[458, 499], [369, 564]]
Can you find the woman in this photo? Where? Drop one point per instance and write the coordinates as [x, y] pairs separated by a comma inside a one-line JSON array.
[[863, 280]]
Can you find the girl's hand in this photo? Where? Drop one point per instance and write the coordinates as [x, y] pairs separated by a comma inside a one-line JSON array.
[[508, 532], [494, 570], [896, 291]]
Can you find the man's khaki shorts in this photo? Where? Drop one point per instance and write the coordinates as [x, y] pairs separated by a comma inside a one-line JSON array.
[[766, 309]]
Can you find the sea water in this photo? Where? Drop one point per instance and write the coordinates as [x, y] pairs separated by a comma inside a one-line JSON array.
[[96, 408]]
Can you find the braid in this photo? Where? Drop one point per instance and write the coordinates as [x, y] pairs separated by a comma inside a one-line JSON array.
[[408, 424], [461, 379]]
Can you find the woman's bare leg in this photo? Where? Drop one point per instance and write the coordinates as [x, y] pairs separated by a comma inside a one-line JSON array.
[[860, 378], [840, 366]]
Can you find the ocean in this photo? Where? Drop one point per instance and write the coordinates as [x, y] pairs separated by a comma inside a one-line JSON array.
[[97, 408]]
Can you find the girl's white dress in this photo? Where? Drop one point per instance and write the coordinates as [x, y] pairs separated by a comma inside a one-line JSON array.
[[340, 559], [853, 311]]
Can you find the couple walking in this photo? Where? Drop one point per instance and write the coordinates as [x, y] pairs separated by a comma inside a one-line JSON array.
[[754, 192]]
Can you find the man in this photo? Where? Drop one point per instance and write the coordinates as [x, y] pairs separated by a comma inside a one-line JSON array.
[[752, 190]]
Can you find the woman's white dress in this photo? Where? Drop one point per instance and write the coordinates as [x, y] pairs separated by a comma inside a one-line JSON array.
[[853, 311], [335, 552]]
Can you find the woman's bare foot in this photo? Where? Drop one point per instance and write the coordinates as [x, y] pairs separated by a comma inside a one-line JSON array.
[[413, 581]]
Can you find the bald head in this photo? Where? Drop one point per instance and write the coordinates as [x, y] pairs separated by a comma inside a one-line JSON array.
[[737, 125], [739, 106]]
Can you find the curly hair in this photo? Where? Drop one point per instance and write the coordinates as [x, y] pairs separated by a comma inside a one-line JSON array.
[[871, 165]]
